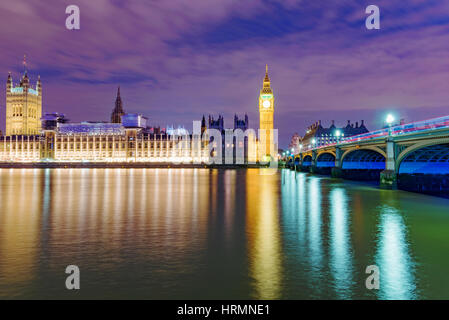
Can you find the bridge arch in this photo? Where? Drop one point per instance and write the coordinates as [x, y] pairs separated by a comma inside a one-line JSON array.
[[376, 149], [416, 147], [363, 158], [325, 159], [297, 160], [424, 159], [424, 168], [307, 160]]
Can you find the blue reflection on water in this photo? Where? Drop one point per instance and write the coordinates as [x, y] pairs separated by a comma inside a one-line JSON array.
[[397, 280], [315, 234], [341, 255]]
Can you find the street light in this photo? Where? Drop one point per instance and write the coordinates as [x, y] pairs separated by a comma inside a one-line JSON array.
[[338, 134], [389, 120]]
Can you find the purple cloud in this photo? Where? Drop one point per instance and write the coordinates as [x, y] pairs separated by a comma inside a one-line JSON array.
[[176, 60]]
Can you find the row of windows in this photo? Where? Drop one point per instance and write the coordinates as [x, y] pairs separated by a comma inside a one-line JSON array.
[[19, 131], [66, 146], [117, 154], [89, 139], [18, 147], [118, 145], [112, 138], [18, 112]]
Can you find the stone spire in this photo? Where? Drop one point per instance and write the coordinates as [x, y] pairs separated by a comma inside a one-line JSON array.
[[117, 113]]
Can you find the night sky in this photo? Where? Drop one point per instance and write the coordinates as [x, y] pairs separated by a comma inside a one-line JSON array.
[[176, 60]]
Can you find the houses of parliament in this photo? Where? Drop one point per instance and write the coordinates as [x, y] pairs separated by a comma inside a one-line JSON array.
[[127, 137]]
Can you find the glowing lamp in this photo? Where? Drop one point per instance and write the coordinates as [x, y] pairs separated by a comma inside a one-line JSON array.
[[389, 119]]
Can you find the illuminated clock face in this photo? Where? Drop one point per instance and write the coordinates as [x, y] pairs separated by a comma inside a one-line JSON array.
[[266, 104]]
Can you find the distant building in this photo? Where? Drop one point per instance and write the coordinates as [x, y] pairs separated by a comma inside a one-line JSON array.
[[317, 135], [118, 112], [128, 140], [31, 137]]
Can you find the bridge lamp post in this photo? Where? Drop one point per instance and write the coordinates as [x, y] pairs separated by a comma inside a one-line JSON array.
[[389, 120], [338, 134]]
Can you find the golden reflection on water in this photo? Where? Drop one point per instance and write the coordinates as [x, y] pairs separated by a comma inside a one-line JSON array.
[[263, 234], [89, 211], [19, 226], [229, 203]]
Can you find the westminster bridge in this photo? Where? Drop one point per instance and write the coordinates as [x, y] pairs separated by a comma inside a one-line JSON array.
[[412, 157]]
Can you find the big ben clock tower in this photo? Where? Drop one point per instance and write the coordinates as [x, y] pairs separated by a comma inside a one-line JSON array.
[[266, 111]]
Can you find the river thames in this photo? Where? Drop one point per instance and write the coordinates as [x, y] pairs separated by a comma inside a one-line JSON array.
[[216, 234]]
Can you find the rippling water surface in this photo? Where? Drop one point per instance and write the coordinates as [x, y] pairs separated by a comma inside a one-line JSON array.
[[209, 234]]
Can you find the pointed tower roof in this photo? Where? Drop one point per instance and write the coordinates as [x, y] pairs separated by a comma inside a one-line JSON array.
[[118, 102], [267, 78], [266, 82], [118, 109]]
